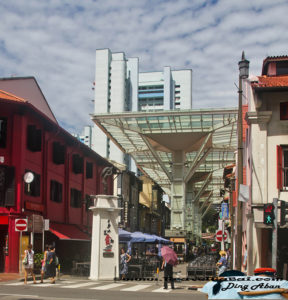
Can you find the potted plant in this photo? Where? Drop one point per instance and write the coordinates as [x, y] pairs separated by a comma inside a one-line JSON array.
[[38, 257]]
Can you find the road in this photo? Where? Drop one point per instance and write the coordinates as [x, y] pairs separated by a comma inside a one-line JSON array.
[[85, 289]]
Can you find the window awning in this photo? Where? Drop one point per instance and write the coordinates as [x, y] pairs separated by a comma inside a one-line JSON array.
[[68, 232]]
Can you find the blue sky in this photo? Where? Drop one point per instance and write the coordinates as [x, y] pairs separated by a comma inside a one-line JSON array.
[[55, 41]]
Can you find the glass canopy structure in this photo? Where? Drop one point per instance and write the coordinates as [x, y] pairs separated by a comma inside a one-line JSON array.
[[182, 151]]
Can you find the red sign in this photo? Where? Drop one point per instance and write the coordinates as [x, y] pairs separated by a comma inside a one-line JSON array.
[[219, 235], [34, 206], [21, 224]]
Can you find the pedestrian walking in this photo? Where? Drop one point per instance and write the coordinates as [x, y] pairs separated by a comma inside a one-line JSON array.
[[168, 274], [29, 264], [229, 258], [43, 262], [51, 264], [124, 259], [222, 263]]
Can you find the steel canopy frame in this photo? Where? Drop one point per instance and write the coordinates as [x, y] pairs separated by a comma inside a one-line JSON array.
[[165, 144]]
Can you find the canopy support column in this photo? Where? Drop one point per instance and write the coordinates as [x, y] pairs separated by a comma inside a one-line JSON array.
[[178, 188]]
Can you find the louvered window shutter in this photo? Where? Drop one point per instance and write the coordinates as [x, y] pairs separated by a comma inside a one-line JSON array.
[[279, 168]]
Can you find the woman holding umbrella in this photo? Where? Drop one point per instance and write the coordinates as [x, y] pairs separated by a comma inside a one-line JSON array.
[[170, 259]]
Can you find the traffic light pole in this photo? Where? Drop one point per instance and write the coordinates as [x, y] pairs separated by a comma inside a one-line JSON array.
[[275, 235]]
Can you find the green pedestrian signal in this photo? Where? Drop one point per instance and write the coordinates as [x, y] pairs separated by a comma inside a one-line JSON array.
[[269, 214]]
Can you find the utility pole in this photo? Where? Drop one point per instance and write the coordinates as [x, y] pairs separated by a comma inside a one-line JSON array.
[[243, 73]]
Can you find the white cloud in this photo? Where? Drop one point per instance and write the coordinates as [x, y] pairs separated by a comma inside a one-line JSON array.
[[55, 41]]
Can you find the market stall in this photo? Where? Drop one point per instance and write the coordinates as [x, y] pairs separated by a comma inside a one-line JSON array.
[[145, 250]]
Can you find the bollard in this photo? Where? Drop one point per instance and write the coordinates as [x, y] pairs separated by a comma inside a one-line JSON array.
[[157, 281]]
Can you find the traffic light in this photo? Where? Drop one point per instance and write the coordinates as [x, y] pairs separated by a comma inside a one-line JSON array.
[[269, 214], [283, 212]]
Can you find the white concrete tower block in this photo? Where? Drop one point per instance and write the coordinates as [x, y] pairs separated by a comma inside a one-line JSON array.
[[101, 89], [118, 82], [184, 79], [168, 88], [102, 77], [133, 78]]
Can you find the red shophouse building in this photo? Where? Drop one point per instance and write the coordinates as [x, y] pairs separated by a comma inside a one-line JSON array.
[[66, 173]]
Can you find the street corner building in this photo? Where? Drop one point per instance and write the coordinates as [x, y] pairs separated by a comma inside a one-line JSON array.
[[265, 164], [45, 174]]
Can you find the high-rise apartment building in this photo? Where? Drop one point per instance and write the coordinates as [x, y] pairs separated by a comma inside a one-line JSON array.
[[86, 136], [119, 87]]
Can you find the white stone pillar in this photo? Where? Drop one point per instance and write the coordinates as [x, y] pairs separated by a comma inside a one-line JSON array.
[[105, 238]]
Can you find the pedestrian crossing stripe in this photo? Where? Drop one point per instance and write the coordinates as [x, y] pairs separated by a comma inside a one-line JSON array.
[[39, 284], [136, 288], [80, 285], [161, 290], [107, 286], [89, 285]]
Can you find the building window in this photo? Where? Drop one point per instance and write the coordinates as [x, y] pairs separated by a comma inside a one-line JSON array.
[[89, 170], [77, 164], [7, 186], [3, 132], [282, 167], [88, 202], [58, 153], [34, 138], [284, 111], [282, 68], [75, 198], [55, 191], [33, 188]]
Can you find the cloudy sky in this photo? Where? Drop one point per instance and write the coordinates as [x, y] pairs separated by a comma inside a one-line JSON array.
[[55, 41]]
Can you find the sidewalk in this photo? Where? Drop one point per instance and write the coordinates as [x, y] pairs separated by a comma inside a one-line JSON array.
[[10, 276]]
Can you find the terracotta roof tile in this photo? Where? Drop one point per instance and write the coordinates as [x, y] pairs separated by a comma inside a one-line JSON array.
[[8, 96], [276, 58], [268, 82]]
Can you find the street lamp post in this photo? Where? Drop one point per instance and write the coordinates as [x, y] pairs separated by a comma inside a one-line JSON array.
[[243, 73]]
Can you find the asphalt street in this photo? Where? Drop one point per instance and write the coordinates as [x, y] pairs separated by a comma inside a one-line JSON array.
[[85, 289]]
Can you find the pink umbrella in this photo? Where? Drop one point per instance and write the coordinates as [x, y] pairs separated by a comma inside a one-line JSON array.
[[169, 255]]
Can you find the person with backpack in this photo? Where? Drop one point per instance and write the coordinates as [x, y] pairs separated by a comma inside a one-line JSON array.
[[28, 263], [51, 264]]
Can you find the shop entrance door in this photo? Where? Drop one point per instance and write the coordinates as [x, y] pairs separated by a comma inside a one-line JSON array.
[[3, 244]]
